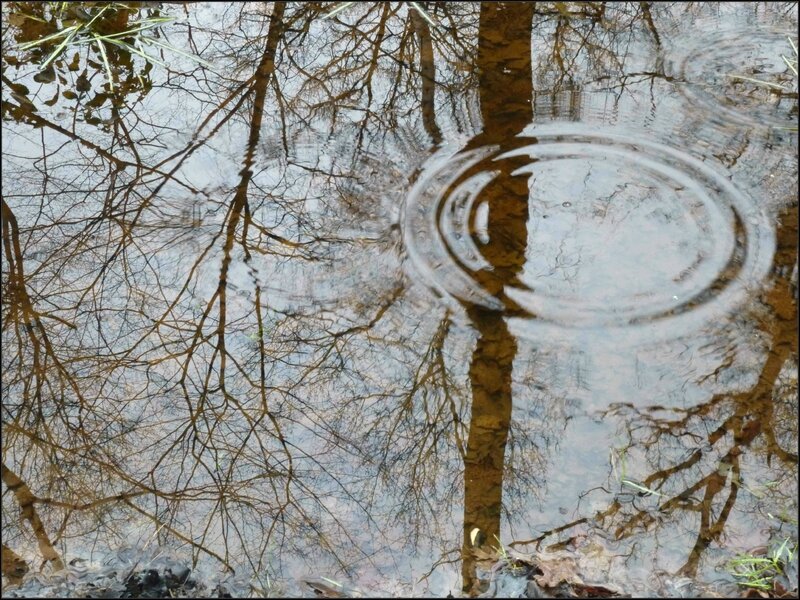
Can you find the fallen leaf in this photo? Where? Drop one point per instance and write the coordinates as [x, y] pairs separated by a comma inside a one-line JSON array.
[[482, 554], [595, 591], [754, 593], [557, 569]]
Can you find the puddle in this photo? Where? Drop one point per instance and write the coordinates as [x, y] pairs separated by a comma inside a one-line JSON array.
[[739, 74], [597, 207], [413, 299]]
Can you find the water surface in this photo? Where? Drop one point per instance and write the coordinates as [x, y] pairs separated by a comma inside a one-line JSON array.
[[350, 288]]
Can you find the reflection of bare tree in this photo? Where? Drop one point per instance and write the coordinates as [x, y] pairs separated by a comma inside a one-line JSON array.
[[154, 370], [26, 501], [68, 428], [13, 565], [216, 435], [504, 55], [506, 92], [428, 75], [713, 438]]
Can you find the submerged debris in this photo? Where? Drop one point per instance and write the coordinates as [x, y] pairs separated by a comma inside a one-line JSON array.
[[544, 575], [129, 574]]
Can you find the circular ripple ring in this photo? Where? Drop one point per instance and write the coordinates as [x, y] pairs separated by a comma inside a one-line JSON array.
[[733, 74], [599, 203]]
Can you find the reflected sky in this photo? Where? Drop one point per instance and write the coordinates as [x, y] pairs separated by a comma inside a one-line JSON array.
[[303, 297]]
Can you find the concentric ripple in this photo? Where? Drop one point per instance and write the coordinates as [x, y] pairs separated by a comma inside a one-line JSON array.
[[738, 74], [619, 232]]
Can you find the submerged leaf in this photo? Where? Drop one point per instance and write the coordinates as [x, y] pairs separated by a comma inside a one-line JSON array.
[[47, 75], [18, 88], [52, 100], [98, 100], [557, 569], [75, 64], [82, 84]]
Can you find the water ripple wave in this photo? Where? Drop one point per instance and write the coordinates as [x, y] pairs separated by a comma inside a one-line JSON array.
[[619, 232]]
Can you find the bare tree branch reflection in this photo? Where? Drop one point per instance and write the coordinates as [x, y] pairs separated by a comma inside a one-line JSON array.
[[211, 336]]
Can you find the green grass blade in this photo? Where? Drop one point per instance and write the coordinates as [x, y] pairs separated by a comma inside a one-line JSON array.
[[789, 64], [152, 20], [105, 61], [97, 16], [750, 561], [52, 36], [760, 584], [132, 31], [60, 47], [425, 15], [641, 487], [338, 9], [181, 52], [130, 48], [780, 550]]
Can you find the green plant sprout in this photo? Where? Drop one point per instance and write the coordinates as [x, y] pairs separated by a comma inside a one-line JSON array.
[[507, 559], [645, 490], [760, 572], [621, 474], [501, 549]]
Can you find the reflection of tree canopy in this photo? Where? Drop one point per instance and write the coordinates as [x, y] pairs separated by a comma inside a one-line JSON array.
[[149, 366], [696, 466], [195, 333]]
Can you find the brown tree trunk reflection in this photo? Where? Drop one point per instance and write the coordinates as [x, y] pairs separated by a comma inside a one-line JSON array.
[[506, 90], [427, 72], [25, 499]]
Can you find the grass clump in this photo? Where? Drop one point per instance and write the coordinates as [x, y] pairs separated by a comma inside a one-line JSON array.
[[761, 572], [69, 25]]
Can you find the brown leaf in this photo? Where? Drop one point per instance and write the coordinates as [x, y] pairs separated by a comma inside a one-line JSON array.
[[779, 591], [595, 591], [52, 100], [754, 593], [557, 569], [82, 83], [46, 76], [483, 554], [18, 88], [75, 64], [16, 19]]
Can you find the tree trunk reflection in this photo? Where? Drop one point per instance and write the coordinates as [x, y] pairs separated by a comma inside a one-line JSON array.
[[506, 90]]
